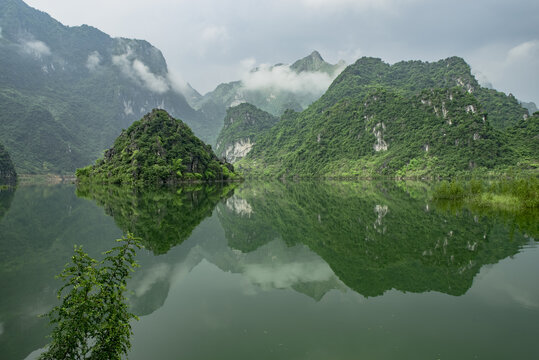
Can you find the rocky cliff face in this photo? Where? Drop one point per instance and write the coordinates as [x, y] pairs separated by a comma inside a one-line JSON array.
[[242, 126]]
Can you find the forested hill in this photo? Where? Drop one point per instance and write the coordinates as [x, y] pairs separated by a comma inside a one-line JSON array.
[[7, 170], [407, 119], [66, 92], [155, 150], [242, 126]]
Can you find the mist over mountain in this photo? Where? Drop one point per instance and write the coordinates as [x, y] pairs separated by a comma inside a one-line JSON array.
[[272, 88], [66, 92]]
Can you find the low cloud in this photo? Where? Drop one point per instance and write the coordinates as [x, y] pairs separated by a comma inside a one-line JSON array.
[[138, 71], [36, 48], [283, 78], [282, 276], [528, 50], [94, 59], [1, 36]]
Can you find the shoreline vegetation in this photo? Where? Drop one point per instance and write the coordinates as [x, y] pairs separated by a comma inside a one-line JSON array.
[[508, 195]]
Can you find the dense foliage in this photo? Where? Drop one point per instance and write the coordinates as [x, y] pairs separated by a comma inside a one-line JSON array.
[[243, 124], [67, 92], [411, 119], [374, 236], [163, 217], [154, 150], [8, 175], [92, 321], [508, 194]]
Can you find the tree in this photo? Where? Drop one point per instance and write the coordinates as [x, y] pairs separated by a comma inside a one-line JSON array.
[[92, 321]]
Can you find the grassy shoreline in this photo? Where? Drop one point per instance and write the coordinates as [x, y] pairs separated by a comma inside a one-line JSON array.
[[514, 195]]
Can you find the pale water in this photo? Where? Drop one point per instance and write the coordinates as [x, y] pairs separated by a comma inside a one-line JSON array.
[[283, 271]]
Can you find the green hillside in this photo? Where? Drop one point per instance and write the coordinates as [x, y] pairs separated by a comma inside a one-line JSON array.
[[8, 176], [157, 149], [411, 119], [243, 124], [67, 92]]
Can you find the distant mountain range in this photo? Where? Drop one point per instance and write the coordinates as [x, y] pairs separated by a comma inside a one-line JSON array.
[[67, 92]]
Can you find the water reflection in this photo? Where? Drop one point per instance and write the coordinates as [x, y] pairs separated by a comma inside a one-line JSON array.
[[270, 246], [374, 236], [162, 217]]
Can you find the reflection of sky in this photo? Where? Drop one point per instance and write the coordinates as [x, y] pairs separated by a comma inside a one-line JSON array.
[[511, 282]]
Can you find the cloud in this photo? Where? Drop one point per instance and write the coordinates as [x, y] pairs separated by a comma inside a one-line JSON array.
[[1, 36], [153, 275], [343, 5], [36, 48], [285, 275], [94, 59], [138, 71], [525, 51], [283, 78]]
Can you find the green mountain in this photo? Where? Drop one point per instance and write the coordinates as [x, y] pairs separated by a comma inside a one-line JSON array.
[[273, 89], [7, 170], [154, 150], [67, 92], [243, 124], [407, 119]]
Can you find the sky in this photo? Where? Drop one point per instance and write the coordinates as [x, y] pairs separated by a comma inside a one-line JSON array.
[[207, 42]]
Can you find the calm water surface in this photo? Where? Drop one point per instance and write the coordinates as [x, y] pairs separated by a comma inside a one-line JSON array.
[[332, 270]]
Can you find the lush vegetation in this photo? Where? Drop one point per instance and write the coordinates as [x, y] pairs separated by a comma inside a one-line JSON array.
[[157, 149], [375, 236], [93, 319], [243, 123], [411, 119], [8, 175], [163, 217], [62, 107], [518, 194]]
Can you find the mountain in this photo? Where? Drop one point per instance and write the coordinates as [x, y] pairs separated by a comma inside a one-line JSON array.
[[407, 119], [67, 92], [532, 108], [7, 170], [154, 150], [273, 89], [243, 123]]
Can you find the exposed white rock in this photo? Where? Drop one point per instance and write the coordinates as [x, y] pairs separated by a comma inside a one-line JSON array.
[[444, 111], [318, 138], [426, 147], [381, 211], [476, 136], [238, 150], [470, 108], [378, 131], [239, 206], [128, 108]]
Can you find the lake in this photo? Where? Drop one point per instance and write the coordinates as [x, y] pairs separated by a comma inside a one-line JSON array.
[[272, 270]]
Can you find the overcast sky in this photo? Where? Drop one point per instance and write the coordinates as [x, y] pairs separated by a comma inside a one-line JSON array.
[[207, 42]]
